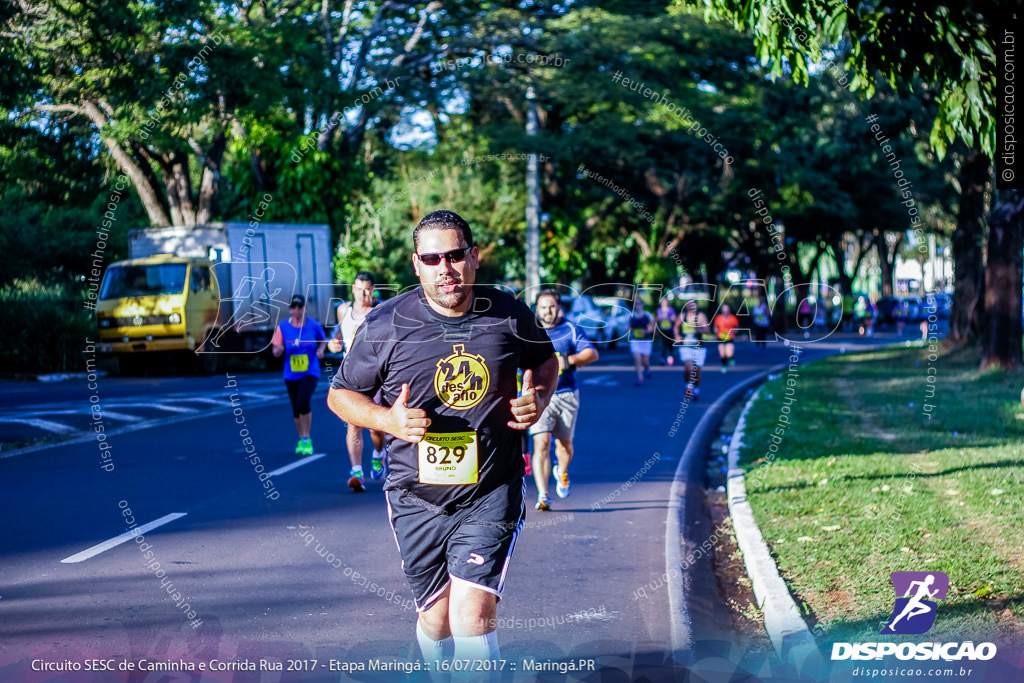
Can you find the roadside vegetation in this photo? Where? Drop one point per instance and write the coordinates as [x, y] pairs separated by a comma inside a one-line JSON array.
[[865, 484]]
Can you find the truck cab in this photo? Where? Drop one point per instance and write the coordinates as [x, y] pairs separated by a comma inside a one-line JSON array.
[[157, 303]]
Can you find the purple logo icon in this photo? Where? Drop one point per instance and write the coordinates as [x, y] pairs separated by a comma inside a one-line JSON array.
[[914, 611]]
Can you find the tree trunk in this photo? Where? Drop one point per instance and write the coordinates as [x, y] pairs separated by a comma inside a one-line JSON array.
[[211, 179], [887, 260], [968, 264], [1003, 277], [148, 193], [839, 253]]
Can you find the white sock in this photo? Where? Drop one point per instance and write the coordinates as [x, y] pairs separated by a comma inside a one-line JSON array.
[[378, 455], [475, 647], [433, 650], [357, 469]]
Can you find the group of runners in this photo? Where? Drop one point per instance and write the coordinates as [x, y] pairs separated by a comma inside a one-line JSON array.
[[684, 333], [448, 378]]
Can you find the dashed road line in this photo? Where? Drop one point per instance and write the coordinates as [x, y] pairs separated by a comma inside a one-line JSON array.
[[47, 425], [171, 409], [32, 417], [298, 463], [118, 540]]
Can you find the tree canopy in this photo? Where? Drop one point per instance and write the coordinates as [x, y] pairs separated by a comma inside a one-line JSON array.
[[950, 47]]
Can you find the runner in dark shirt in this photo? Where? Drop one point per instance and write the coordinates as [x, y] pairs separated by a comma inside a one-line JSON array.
[[462, 372], [445, 358]]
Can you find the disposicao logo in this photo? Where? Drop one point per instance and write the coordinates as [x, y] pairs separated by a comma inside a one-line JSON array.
[[914, 611], [913, 614]]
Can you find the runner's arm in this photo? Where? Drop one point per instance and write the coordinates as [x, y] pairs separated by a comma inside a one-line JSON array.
[[400, 421], [583, 350], [277, 343], [335, 342], [537, 390], [584, 357]]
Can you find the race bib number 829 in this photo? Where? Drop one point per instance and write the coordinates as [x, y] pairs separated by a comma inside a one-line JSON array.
[[448, 459]]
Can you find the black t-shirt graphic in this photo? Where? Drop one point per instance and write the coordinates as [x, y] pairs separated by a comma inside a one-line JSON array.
[[462, 372]]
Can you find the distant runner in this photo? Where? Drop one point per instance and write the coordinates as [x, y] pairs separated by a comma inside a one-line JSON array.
[[691, 326], [301, 340], [350, 317], [573, 350], [724, 325], [762, 321], [445, 357], [805, 317], [641, 340], [666, 318]]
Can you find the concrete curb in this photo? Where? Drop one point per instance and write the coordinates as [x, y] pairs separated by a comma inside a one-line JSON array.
[[783, 622], [688, 476]]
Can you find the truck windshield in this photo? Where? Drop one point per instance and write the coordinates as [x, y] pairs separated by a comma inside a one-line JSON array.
[[153, 280]]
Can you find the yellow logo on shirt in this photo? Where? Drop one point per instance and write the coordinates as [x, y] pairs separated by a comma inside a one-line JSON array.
[[461, 379]]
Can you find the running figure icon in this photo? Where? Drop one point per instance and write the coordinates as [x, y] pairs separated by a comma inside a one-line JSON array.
[[915, 596], [914, 606]]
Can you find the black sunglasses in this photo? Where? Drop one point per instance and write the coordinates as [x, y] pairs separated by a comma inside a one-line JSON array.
[[297, 305], [453, 256]]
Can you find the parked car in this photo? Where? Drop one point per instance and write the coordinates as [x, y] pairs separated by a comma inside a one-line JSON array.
[[889, 309], [616, 313], [943, 305], [915, 309], [604, 319]]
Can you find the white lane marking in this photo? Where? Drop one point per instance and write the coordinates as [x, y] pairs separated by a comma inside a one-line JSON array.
[[55, 427], [298, 463], [601, 381], [124, 417], [118, 540], [253, 394], [171, 409], [136, 427], [197, 398]]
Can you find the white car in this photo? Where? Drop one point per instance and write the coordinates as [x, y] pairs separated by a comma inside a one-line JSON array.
[[605, 320], [617, 314]]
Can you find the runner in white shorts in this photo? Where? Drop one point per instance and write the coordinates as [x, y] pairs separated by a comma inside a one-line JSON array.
[[641, 341], [690, 327], [573, 350], [350, 317]]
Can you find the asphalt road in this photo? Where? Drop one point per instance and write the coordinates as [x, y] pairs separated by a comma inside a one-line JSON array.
[[313, 571]]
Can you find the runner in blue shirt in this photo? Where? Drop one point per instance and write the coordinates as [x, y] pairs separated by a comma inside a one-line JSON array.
[[301, 340], [641, 340], [573, 350]]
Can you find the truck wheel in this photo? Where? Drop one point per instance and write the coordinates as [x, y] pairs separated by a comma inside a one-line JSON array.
[[273, 363], [209, 363], [131, 364]]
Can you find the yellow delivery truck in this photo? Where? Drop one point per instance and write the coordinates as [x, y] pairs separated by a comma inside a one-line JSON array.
[[210, 290]]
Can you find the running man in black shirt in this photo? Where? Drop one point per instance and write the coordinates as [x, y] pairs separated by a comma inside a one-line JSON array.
[[445, 358]]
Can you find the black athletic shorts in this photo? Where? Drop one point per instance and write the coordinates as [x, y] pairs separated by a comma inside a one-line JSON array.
[[474, 544], [300, 391]]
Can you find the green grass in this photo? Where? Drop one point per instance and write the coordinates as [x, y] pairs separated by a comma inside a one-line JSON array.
[[864, 484]]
